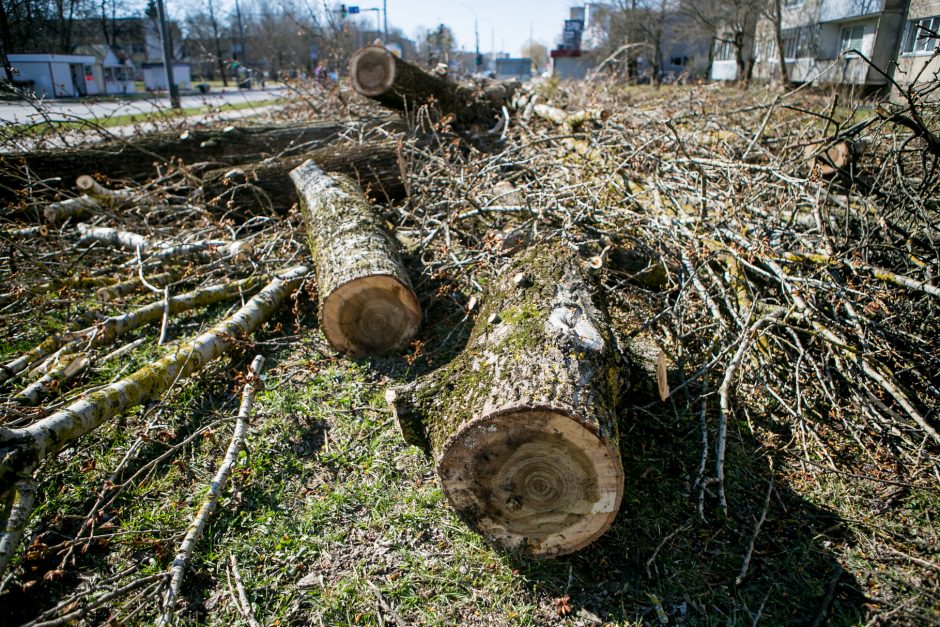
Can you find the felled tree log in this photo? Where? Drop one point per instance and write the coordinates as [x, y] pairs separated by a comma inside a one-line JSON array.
[[367, 304], [256, 187], [378, 74], [522, 425], [134, 158]]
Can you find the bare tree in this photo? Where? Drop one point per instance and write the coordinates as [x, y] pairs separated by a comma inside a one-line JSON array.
[[776, 16], [732, 22], [537, 52]]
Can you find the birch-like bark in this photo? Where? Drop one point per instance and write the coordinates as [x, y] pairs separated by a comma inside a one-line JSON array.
[[24, 497], [185, 552], [23, 448]]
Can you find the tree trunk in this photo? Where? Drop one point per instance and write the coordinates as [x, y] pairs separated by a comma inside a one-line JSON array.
[[135, 159], [778, 40], [255, 188], [378, 74], [522, 425], [366, 301]]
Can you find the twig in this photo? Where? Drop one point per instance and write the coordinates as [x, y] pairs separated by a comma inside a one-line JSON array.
[[763, 516], [184, 555], [244, 607]]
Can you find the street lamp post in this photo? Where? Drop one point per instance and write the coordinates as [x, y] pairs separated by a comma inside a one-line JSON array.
[[476, 34], [385, 18], [168, 57]]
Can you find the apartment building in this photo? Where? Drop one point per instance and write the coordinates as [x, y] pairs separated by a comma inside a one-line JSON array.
[[832, 41], [918, 59]]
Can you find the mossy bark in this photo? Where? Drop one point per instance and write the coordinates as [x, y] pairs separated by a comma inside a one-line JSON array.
[[378, 74], [259, 187], [367, 304], [522, 426]]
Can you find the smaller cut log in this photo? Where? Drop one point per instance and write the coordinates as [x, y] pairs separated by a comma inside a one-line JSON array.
[[367, 304], [112, 198], [522, 426], [378, 74]]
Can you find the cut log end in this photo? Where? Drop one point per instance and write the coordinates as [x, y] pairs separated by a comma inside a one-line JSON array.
[[371, 314], [372, 71], [533, 480]]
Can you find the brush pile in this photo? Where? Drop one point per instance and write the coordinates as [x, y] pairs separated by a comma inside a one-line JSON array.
[[730, 295]]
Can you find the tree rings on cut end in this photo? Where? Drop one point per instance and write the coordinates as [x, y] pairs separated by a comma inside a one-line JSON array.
[[371, 314], [372, 71], [533, 480]]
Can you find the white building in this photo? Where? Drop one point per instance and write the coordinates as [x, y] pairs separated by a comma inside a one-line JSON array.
[[155, 76], [112, 74], [56, 75]]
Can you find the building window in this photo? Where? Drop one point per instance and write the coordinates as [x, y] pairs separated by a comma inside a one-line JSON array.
[[919, 39], [800, 42], [724, 51], [852, 37]]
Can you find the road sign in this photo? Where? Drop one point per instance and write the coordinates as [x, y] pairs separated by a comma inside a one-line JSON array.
[[353, 10]]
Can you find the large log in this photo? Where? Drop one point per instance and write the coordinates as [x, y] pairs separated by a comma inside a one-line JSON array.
[[134, 158], [378, 74], [367, 304], [251, 188], [522, 425]]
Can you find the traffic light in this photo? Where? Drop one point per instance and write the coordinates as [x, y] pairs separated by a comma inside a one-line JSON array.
[[342, 11], [479, 60]]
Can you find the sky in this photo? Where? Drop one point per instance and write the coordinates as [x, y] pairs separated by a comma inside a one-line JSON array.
[[503, 23]]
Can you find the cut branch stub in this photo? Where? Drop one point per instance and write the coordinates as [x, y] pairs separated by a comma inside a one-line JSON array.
[[522, 425], [367, 304]]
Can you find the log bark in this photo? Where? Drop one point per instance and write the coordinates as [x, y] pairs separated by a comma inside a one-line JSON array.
[[135, 158], [259, 187], [522, 425], [384, 77], [22, 449], [367, 304]]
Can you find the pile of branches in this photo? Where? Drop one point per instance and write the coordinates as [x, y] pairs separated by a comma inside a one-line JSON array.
[[785, 253]]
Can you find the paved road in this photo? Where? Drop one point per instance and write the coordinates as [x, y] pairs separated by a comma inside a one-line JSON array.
[[24, 113]]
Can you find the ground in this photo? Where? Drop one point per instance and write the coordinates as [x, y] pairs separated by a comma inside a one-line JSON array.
[[823, 510]]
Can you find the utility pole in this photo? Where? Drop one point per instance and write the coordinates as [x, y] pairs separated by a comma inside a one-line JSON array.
[[385, 18], [168, 57], [476, 33], [241, 35]]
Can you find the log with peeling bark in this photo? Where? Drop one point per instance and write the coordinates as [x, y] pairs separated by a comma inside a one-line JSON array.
[[135, 158], [522, 426], [384, 77], [21, 449], [257, 187], [367, 304]]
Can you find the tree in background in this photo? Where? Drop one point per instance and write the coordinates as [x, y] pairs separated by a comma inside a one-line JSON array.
[[537, 52], [438, 45], [732, 22], [204, 44]]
